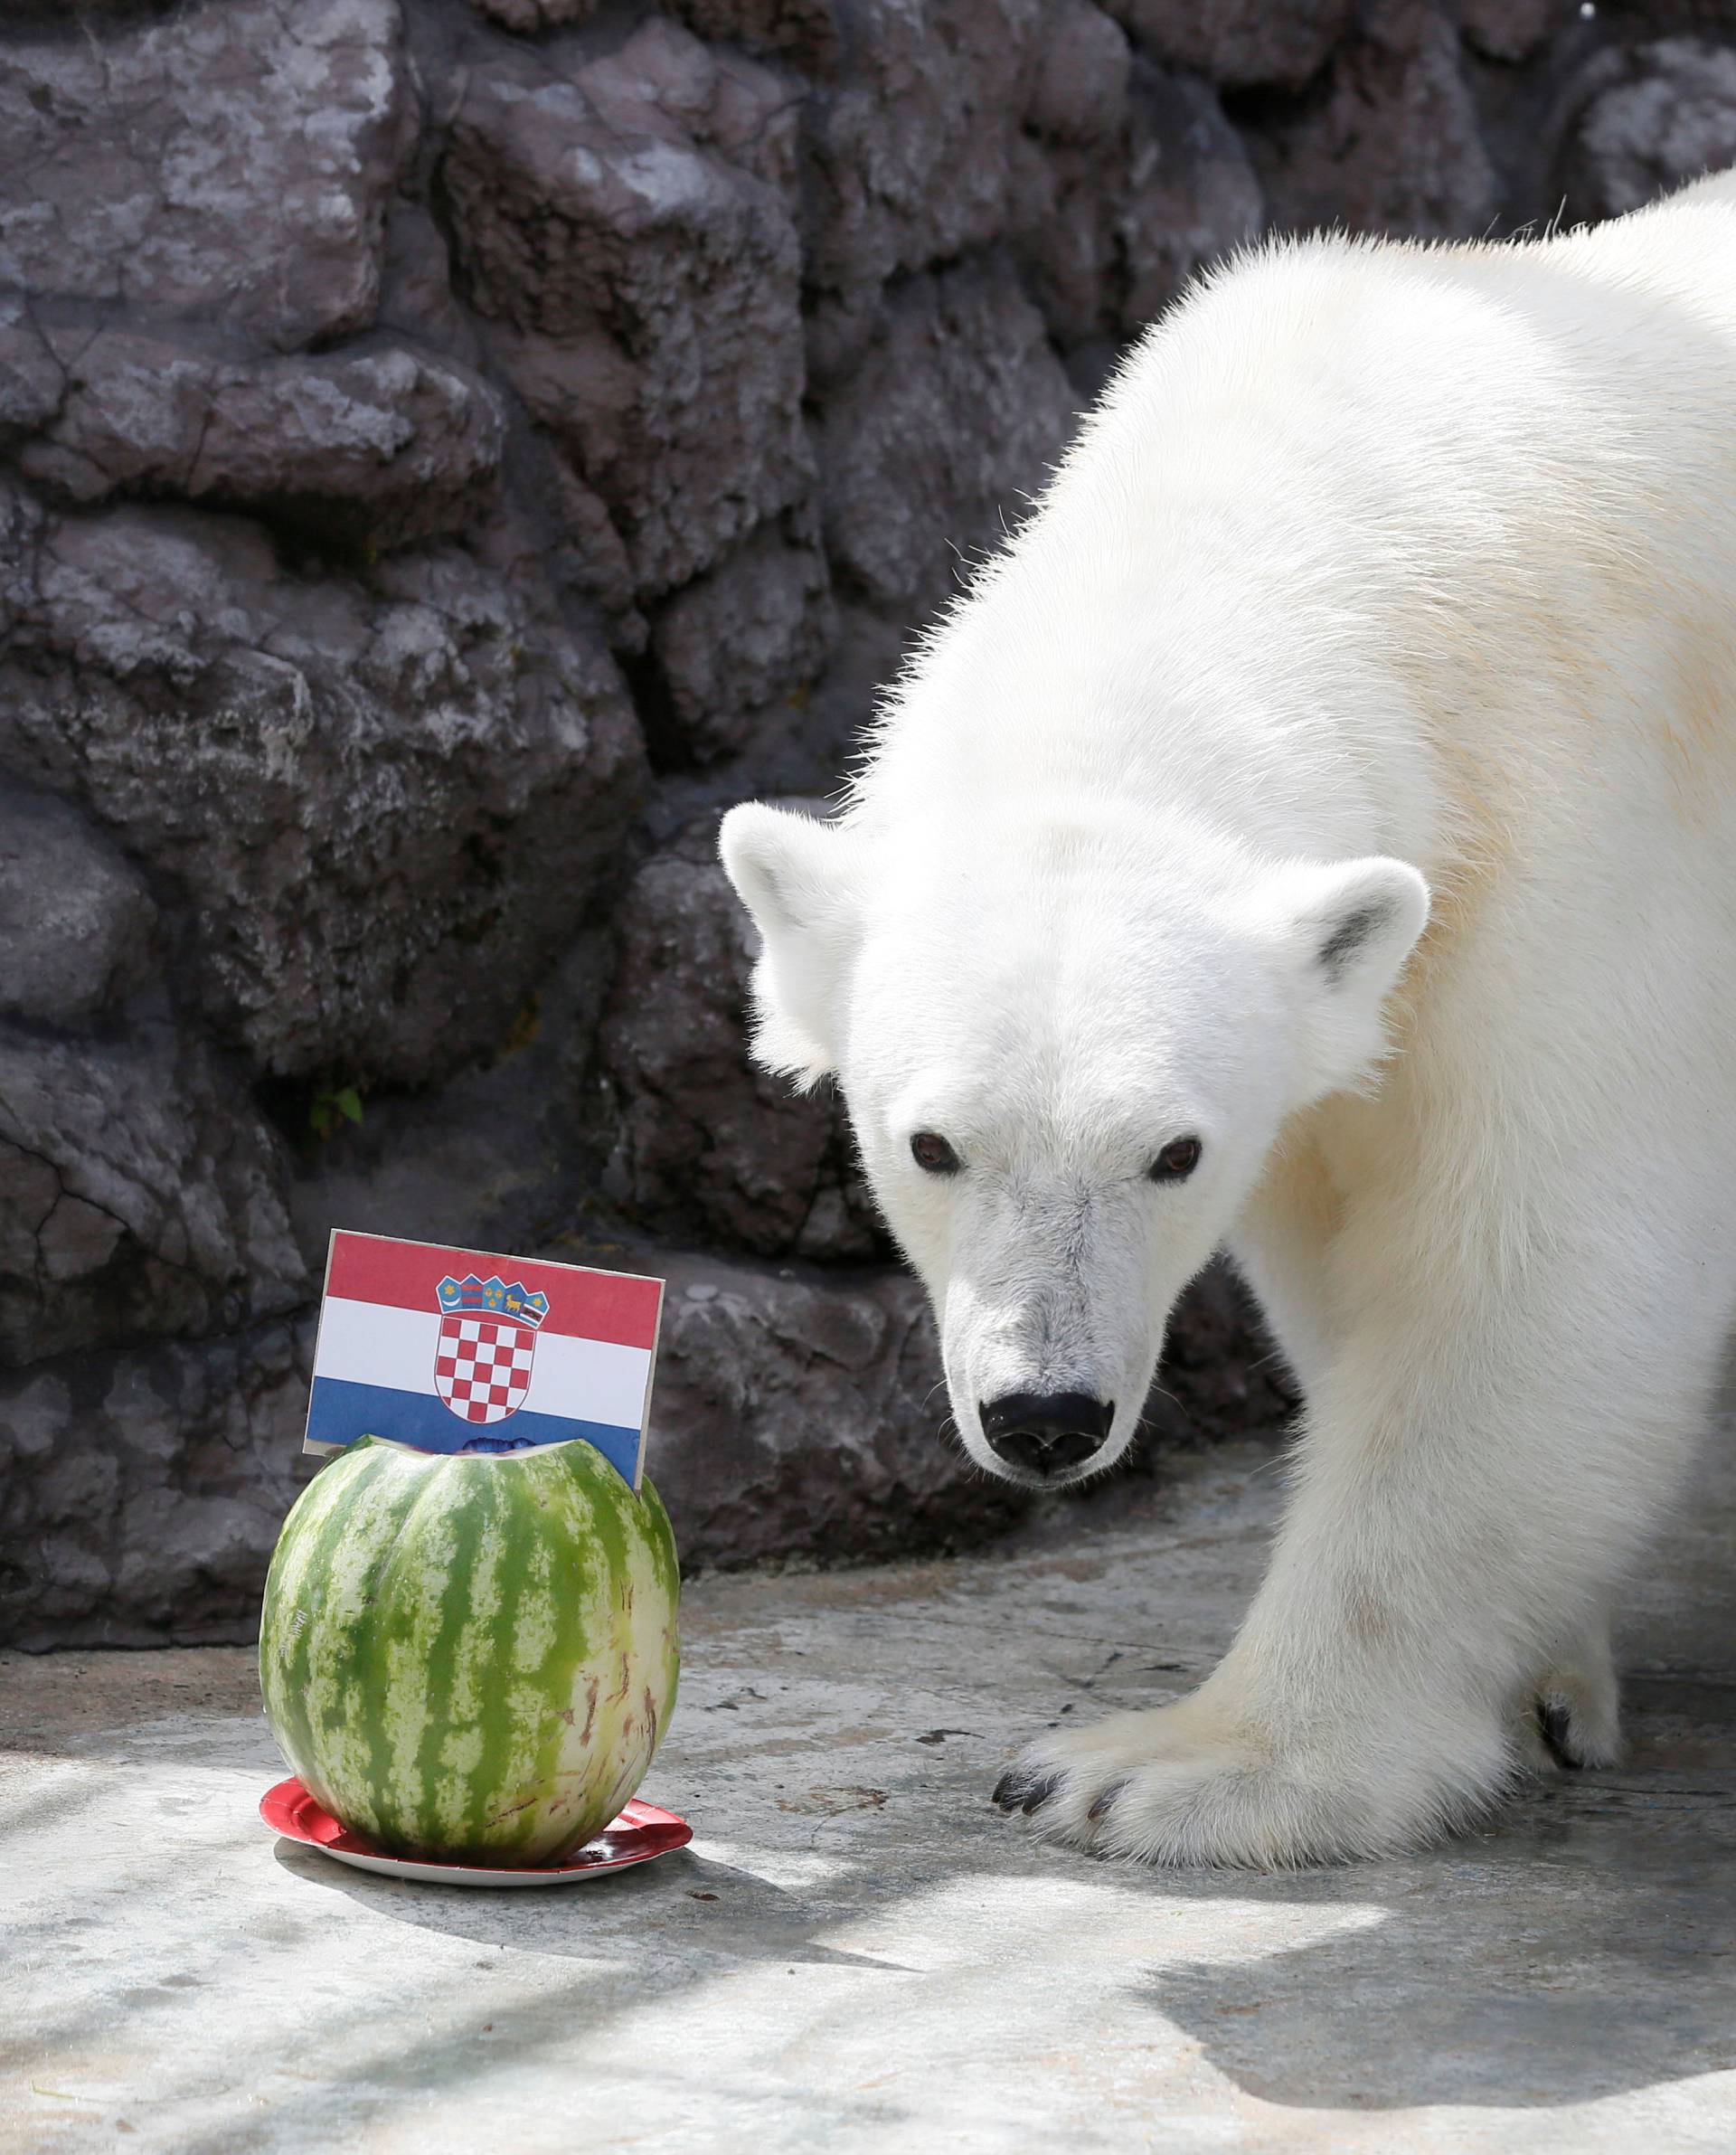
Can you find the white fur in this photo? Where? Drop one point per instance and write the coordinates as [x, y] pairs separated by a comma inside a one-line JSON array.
[[1379, 566]]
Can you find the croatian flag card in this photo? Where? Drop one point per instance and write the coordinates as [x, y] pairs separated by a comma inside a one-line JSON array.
[[463, 1350]]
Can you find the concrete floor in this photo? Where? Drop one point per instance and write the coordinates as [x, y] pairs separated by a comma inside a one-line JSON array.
[[857, 1952]]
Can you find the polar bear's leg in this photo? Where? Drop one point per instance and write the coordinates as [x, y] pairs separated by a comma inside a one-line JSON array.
[[1279, 1247], [1479, 1463], [1569, 1715]]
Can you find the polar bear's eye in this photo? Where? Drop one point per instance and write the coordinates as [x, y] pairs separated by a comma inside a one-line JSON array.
[[1176, 1161], [931, 1152]]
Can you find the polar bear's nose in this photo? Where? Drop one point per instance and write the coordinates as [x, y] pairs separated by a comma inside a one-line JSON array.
[[1045, 1432]]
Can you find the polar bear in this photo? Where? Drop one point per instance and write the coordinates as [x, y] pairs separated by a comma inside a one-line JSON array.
[[1314, 837]]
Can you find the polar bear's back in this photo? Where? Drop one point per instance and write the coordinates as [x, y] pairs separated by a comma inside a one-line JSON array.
[[1413, 384], [1472, 502]]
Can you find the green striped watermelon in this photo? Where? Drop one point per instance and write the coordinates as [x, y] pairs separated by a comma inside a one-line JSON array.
[[471, 1660]]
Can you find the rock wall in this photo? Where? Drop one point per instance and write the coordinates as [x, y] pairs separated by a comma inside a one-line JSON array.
[[448, 449]]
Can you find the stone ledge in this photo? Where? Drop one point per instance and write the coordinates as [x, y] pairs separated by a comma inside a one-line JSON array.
[[797, 1417]]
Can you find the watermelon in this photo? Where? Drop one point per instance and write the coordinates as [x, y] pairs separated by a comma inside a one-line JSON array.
[[471, 1658]]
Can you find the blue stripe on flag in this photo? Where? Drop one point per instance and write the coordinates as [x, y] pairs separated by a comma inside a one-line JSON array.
[[341, 1411]]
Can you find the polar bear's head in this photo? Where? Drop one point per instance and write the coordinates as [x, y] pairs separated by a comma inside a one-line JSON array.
[[1067, 1042]]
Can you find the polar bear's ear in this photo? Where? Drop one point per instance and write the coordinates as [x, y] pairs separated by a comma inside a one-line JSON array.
[[1350, 928], [801, 881]]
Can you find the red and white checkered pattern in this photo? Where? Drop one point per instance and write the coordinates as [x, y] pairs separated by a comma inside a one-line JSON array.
[[482, 1366]]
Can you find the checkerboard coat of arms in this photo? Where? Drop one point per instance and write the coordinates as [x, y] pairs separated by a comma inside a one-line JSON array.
[[487, 1346]]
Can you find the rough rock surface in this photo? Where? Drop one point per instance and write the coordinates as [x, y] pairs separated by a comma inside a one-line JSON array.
[[1392, 142], [137, 1195], [909, 162], [754, 630], [1512, 29], [530, 16], [1655, 116], [221, 163], [1128, 181], [306, 755], [1193, 195], [1080, 76], [626, 235], [1240, 43], [707, 1147], [806, 32], [141, 1493], [796, 1412], [957, 409], [75, 917], [403, 448], [447, 452]]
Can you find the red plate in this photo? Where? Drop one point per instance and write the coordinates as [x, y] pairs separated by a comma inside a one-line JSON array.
[[641, 1832]]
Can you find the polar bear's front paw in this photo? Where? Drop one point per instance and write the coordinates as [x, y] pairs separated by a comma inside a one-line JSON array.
[[1179, 1786]]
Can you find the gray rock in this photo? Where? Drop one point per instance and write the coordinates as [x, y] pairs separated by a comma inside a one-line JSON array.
[[1110, 232], [31, 379], [1512, 29], [1655, 116], [502, 1156], [1192, 198], [530, 15], [1222, 1374], [387, 807], [1240, 43], [1080, 62], [803, 32], [390, 444], [796, 1412], [1064, 235], [705, 1144], [138, 1194], [141, 1493], [230, 163], [1391, 144], [957, 412], [417, 302], [753, 631], [839, 326], [800, 747], [626, 233], [75, 918], [588, 556], [907, 161]]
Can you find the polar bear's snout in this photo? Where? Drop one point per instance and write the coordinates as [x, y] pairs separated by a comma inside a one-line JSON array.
[[1048, 1350], [1046, 1432]]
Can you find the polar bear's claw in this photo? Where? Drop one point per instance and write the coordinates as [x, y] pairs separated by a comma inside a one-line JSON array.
[[1577, 1720], [1020, 1788], [1575, 1715], [1101, 1808], [1555, 1726]]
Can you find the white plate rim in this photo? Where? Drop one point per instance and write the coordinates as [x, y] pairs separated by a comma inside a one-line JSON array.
[[458, 1874]]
